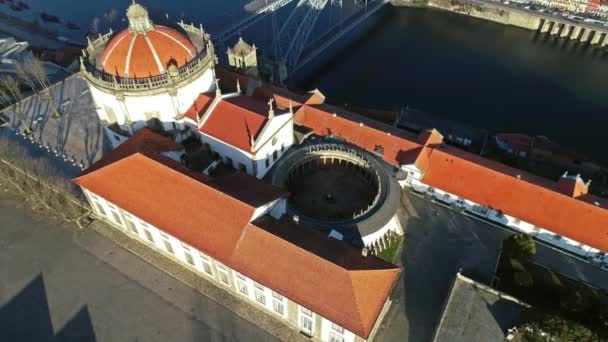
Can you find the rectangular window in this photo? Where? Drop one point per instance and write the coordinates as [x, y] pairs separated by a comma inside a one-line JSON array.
[[335, 337], [277, 303], [100, 209], [306, 321], [223, 273], [116, 216], [149, 235], [275, 156], [189, 257], [460, 201], [337, 328], [168, 245], [206, 264], [241, 283], [131, 225], [259, 293], [267, 160]]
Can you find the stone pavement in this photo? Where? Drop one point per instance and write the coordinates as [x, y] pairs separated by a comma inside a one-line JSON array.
[[206, 287], [77, 133]]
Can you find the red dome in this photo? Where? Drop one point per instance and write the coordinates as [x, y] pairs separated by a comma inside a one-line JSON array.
[[131, 54]]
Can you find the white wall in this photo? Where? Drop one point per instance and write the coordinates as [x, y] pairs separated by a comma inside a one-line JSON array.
[[539, 233], [180, 250], [327, 330], [162, 103], [224, 150], [280, 127]]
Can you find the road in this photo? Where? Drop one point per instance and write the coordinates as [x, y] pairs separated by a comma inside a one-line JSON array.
[[439, 241], [61, 284]]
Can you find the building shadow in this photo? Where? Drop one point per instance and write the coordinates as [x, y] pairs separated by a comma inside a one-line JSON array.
[[26, 317]]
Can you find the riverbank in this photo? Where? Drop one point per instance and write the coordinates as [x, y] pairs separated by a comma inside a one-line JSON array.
[[518, 15]]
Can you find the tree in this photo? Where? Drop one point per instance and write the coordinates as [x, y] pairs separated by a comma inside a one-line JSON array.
[[32, 73], [10, 92], [520, 246], [557, 327]]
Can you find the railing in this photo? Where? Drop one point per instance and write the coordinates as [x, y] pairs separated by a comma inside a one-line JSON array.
[[102, 40], [201, 62], [193, 29]]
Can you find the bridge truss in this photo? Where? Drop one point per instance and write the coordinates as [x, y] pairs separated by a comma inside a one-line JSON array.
[[294, 44]]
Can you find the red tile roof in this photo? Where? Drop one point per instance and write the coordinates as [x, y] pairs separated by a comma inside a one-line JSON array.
[[200, 106], [235, 120], [137, 54], [529, 198], [326, 276], [145, 141], [359, 130]]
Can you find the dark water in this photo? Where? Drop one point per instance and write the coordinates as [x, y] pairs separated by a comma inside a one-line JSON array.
[[485, 74], [488, 75]]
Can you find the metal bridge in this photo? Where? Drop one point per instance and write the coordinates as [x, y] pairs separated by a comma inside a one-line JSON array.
[[293, 42]]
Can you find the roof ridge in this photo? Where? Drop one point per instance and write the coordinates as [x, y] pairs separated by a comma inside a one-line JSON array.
[[355, 276]]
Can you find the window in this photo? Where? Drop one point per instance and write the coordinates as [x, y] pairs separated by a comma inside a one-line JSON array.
[[282, 148], [241, 283], [188, 254], [259, 293], [481, 210], [206, 264], [446, 197], [336, 334], [557, 237], [223, 273], [242, 167], [149, 235], [335, 337], [167, 242], [460, 201], [267, 161], [430, 191], [100, 209], [130, 224], [277, 303], [306, 321]]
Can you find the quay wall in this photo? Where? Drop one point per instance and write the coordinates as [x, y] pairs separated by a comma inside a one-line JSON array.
[[508, 15], [492, 12]]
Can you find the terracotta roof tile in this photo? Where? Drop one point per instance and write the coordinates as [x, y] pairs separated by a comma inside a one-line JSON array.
[[326, 276], [360, 131], [529, 198], [200, 105], [167, 44], [235, 120]]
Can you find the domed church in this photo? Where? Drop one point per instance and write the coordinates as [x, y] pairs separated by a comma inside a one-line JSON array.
[[148, 72]]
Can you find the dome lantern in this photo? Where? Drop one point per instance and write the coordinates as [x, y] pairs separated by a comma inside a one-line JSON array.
[[139, 22]]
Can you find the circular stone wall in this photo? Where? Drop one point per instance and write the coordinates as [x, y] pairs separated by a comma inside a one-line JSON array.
[[335, 185]]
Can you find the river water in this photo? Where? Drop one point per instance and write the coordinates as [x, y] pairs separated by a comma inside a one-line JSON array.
[[473, 71], [477, 72]]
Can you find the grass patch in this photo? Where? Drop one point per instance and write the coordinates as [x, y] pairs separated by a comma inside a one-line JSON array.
[[388, 254]]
